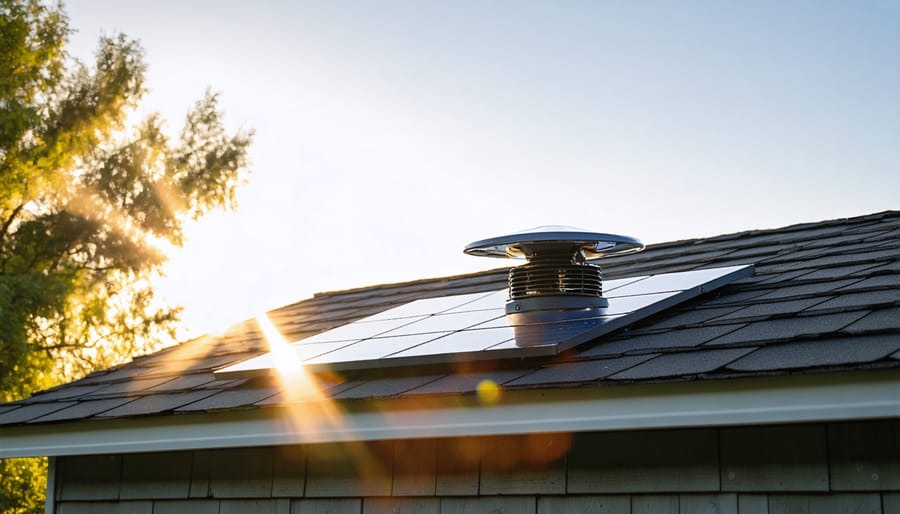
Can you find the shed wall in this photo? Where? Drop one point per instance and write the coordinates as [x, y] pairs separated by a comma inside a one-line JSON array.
[[802, 469]]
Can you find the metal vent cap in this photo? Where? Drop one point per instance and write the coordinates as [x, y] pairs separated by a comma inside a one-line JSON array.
[[527, 243]]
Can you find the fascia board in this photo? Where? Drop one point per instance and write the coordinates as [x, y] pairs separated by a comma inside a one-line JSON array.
[[763, 400]]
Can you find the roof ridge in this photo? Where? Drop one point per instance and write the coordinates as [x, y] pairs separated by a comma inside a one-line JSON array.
[[667, 244], [796, 227]]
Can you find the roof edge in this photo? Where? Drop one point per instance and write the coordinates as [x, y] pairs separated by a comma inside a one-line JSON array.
[[657, 245], [827, 397]]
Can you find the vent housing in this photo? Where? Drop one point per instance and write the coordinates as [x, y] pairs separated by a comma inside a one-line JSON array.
[[558, 283]]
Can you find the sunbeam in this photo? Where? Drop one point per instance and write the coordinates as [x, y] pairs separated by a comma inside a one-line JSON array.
[[301, 391]]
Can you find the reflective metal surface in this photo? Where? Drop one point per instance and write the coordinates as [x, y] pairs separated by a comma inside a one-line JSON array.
[[521, 244]]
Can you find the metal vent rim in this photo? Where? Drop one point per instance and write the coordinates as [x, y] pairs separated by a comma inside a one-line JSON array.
[[595, 244]]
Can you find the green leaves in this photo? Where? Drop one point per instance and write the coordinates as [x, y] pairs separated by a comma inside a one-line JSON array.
[[84, 199]]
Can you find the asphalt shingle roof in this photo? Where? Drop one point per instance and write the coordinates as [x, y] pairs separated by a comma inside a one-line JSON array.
[[825, 297]]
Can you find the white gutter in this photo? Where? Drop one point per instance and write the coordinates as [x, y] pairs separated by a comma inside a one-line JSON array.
[[784, 399]]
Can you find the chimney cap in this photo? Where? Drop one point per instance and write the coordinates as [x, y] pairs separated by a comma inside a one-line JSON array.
[[519, 244]]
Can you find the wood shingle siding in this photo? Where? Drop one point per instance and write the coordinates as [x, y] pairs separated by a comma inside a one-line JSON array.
[[644, 462], [811, 468], [789, 458]]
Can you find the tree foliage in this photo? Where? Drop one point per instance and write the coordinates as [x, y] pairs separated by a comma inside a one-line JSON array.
[[87, 198]]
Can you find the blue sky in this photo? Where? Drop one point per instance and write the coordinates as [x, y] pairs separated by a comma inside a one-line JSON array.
[[390, 134]]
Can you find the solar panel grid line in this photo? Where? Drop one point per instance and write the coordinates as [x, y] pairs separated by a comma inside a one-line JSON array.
[[372, 349], [428, 306], [461, 341], [360, 329]]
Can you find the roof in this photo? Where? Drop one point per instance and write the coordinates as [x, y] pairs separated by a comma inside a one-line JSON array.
[[824, 302]]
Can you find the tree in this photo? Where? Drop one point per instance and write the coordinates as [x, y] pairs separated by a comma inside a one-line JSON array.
[[86, 198]]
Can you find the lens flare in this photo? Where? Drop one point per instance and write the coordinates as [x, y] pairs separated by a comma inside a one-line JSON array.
[[310, 407], [488, 391]]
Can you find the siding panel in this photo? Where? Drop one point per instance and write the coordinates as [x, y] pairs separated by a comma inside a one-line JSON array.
[[94, 477], [654, 504], [401, 506], [645, 461], [772, 459], [330, 506], [708, 504], [200, 475], [415, 467], [289, 471], [458, 466], [349, 469], [150, 476], [865, 456], [608, 504], [844, 503], [753, 504], [183, 506], [254, 506], [489, 505], [524, 464], [241, 473], [130, 507], [891, 503]]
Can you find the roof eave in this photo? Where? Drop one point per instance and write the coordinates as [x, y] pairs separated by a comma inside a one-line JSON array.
[[826, 397]]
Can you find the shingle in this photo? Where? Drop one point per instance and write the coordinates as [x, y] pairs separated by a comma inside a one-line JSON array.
[[838, 272], [223, 384], [84, 409], [887, 235], [879, 320], [736, 297], [778, 277], [823, 352], [467, 382], [838, 241], [754, 251], [31, 411], [113, 375], [857, 300], [63, 393], [157, 403], [230, 399], [385, 387], [682, 364], [877, 282], [684, 338], [789, 328], [839, 260], [891, 267], [810, 289], [581, 371], [185, 382], [691, 317], [127, 388], [321, 389], [767, 309]]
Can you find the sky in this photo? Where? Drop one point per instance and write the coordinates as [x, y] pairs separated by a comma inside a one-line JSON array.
[[391, 134]]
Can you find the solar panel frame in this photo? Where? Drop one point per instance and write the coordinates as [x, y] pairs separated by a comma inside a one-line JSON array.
[[631, 299]]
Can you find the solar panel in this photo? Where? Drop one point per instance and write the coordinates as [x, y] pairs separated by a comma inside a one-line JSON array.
[[473, 327]]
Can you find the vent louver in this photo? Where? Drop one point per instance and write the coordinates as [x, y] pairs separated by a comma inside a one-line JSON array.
[[557, 284]]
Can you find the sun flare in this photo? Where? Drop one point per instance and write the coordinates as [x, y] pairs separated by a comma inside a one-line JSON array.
[[311, 408], [284, 360]]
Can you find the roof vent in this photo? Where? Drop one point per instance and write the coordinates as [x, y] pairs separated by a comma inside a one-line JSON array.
[[557, 284]]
